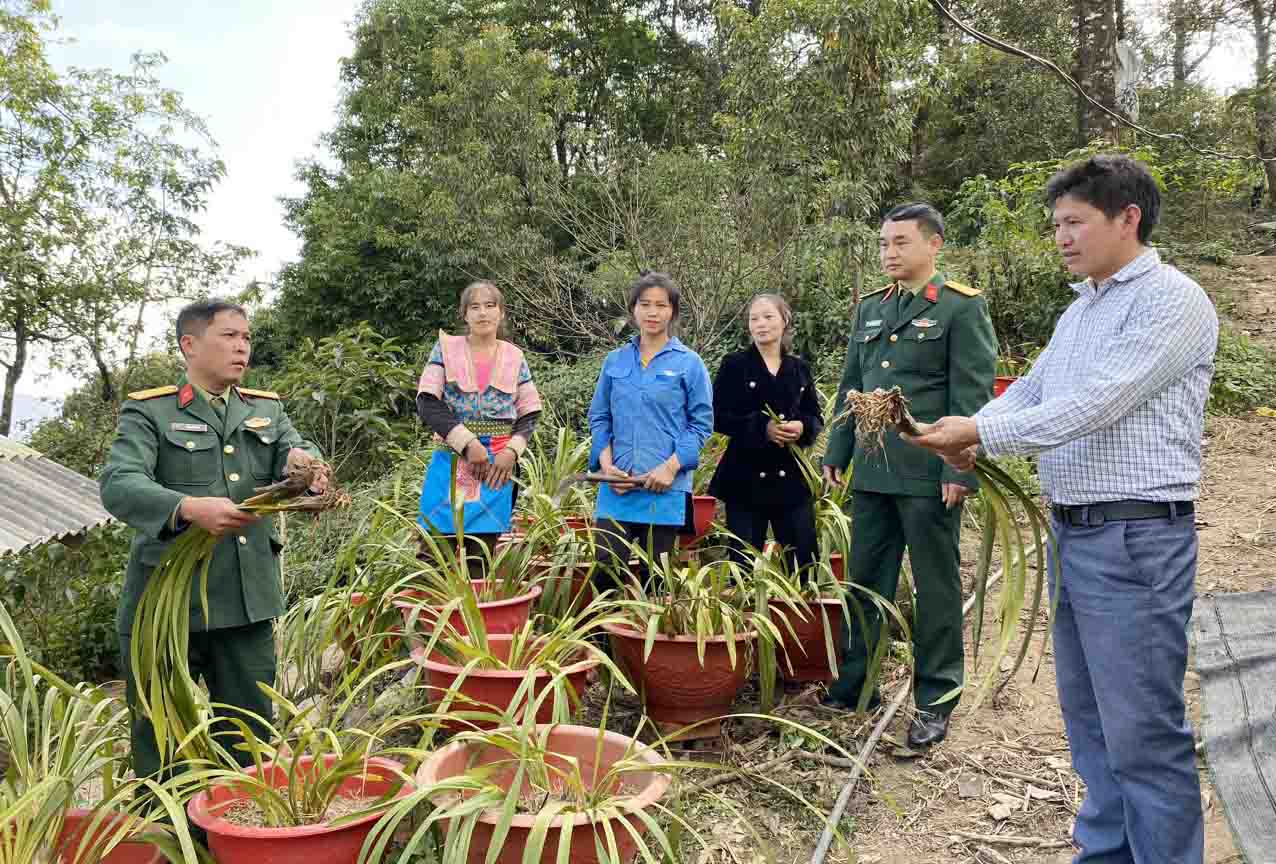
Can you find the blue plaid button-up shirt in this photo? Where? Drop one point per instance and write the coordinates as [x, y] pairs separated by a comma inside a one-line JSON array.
[[1115, 404]]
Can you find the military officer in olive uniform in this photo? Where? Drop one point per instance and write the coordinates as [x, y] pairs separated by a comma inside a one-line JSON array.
[[183, 455], [933, 339]]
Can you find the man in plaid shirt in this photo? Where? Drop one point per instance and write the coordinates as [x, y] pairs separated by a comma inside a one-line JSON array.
[[1115, 406]]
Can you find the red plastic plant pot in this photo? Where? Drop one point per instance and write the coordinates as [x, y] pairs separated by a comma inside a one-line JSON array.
[[499, 616], [308, 844], [676, 689], [492, 689], [1001, 383], [76, 822], [580, 745], [805, 647]]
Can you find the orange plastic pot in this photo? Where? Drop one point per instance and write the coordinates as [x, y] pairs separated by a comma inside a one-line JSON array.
[[308, 844], [805, 647], [1001, 383], [76, 822], [703, 509], [676, 689], [499, 616], [492, 689], [568, 747]]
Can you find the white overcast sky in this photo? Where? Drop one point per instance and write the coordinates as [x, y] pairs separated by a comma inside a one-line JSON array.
[[264, 75]]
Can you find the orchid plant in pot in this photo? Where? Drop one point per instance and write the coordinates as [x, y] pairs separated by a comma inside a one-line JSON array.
[[312, 792], [483, 680], [533, 793], [689, 637], [61, 740]]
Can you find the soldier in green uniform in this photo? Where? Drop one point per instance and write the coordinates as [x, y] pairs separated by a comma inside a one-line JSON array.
[[933, 339], [184, 455]]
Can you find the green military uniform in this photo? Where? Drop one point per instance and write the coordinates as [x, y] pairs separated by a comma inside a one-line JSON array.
[[175, 442], [938, 347]]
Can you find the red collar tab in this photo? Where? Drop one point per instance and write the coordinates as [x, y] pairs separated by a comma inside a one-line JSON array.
[[185, 396], [932, 292], [889, 291]]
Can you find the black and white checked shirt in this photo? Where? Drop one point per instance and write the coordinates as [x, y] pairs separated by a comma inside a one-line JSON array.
[[1115, 404]]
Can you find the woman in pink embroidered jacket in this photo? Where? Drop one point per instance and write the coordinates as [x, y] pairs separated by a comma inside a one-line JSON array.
[[476, 394]]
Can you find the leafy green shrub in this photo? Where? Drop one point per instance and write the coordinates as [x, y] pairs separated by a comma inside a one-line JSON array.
[[1244, 374], [354, 394], [64, 598]]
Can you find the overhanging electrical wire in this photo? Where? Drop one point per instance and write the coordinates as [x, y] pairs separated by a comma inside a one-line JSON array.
[[1015, 51]]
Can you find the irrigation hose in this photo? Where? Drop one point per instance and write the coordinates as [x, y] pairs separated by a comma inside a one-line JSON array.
[[835, 816]]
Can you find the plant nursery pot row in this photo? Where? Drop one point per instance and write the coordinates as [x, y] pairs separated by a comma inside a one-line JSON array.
[[308, 844], [74, 825], [499, 616], [570, 748], [488, 690]]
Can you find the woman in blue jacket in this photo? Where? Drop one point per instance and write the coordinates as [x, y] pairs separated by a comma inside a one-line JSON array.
[[652, 412]]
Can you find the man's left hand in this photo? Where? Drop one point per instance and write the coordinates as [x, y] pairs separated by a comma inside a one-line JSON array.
[[954, 494], [953, 438], [299, 460]]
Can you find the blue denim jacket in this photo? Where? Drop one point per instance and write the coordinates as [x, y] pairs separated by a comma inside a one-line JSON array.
[[647, 415]]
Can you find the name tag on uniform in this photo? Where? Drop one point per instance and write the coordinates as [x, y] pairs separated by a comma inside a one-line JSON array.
[[876, 322], [669, 373], [189, 427], [257, 422], [924, 322]]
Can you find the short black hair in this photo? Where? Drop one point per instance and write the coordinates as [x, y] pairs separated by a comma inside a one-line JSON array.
[[195, 317], [1110, 182], [655, 279], [929, 220]]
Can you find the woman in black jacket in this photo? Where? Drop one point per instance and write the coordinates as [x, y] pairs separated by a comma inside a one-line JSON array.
[[759, 479]]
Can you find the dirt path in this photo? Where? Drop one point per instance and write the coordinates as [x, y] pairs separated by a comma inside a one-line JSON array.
[[1012, 755]]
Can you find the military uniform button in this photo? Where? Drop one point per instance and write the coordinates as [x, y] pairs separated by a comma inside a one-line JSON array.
[[753, 383], [233, 478], [190, 445], [781, 473], [762, 475], [228, 449], [894, 337], [886, 364], [243, 541]]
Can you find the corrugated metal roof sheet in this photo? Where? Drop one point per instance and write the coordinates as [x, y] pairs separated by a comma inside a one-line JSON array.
[[41, 501]]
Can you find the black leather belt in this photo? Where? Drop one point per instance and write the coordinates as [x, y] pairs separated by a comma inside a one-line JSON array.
[[1093, 515]]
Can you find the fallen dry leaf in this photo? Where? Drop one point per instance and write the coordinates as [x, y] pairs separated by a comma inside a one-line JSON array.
[[969, 787], [1000, 812], [1011, 801]]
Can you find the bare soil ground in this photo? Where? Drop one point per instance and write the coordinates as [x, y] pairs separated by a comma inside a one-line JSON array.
[[1004, 770]]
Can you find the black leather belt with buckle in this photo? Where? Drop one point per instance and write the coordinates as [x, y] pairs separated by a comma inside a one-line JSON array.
[[1093, 515]]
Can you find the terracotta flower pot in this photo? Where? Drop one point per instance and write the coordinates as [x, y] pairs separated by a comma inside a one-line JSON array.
[[676, 690], [703, 509], [836, 563], [499, 616], [576, 743], [805, 649], [492, 689], [309, 844], [1001, 383], [76, 822]]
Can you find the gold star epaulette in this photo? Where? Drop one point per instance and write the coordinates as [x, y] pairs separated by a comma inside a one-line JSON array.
[[260, 394], [963, 289], [143, 395]]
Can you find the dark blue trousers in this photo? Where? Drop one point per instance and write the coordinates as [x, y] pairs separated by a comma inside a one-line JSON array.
[[1125, 596]]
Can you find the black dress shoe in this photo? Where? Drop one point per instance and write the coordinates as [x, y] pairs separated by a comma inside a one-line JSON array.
[[927, 729]]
